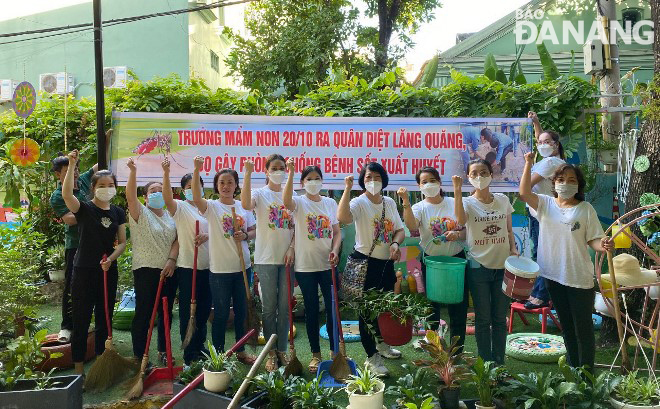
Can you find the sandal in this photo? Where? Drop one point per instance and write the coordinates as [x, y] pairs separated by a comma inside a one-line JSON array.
[[271, 363], [245, 359], [314, 364], [282, 358]]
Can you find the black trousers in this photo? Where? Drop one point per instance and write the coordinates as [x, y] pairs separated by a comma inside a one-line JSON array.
[[574, 307], [145, 281], [87, 297], [457, 312], [193, 351], [380, 276], [309, 283], [67, 308]]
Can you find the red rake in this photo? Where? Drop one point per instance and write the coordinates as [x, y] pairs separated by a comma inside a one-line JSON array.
[[192, 322]]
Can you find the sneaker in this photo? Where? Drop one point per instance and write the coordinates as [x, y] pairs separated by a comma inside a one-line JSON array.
[[417, 344], [375, 363], [64, 336], [387, 351]]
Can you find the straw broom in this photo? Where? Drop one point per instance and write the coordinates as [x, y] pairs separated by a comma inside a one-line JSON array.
[[294, 367], [339, 368], [110, 367], [136, 383], [192, 322], [252, 318]]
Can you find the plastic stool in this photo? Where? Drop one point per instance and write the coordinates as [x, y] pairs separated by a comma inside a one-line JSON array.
[[545, 312]]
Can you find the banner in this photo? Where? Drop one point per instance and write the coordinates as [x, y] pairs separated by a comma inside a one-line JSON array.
[[339, 146]]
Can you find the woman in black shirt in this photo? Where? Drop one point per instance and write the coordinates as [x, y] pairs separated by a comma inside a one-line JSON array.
[[100, 225]]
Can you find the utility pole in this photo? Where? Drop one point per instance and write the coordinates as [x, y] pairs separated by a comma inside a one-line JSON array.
[[100, 102], [610, 83]]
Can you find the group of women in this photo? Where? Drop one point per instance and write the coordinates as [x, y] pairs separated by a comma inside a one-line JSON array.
[[302, 232]]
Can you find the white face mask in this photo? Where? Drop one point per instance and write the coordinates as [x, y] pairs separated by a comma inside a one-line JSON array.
[[188, 193], [480, 182], [374, 187], [566, 190], [430, 189], [313, 187], [545, 150], [277, 176], [105, 194]]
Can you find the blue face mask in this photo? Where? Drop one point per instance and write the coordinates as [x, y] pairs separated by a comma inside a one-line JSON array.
[[188, 193], [156, 200]]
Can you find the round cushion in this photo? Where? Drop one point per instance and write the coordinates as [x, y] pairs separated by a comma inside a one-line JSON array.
[[349, 335], [538, 348]]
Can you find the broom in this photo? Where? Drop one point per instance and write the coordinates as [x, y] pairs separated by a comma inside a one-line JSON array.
[[192, 322], [294, 367], [339, 368], [136, 383], [252, 319], [110, 367]]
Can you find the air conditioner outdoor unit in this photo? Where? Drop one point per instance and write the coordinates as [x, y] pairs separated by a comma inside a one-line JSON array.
[[56, 83], [7, 88], [115, 77]]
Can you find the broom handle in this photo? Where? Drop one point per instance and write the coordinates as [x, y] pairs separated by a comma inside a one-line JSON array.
[[289, 288], [168, 343], [336, 296], [194, 272], [252, 372], [239, 249], [105, 298], [192, 385], [153, 315]]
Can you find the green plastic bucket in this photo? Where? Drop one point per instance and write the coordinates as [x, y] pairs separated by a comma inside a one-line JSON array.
[[445, 279]]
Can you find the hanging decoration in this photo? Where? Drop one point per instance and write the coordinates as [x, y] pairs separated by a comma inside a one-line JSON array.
[[24, 152], [25, 99], [642, 163]]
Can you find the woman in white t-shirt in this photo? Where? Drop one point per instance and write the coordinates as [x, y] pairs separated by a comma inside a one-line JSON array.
[[273, 251], [569, 226], [433, 219], [548, 146], [385, 236], [226, 279], [317, 244], [487, 217], [155, 250], [185, 215]]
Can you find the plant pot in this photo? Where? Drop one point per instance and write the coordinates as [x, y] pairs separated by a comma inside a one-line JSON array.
[[56, 276], [371, 401], [52, 346], [392, 331], [200, 399], [620, 405], [478, 405], [217, 382], [449, 398], [65, 393]]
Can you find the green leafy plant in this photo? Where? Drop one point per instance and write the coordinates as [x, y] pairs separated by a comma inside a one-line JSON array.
[[311, 395], [365, 382], [415, 387], [56, 259], [21, 358], [428, 403], [218, 361], [445, 360], [190, 372], [403, 307], [635, 390], [279, 390], [594, 390], [538, 390], [484, 378]]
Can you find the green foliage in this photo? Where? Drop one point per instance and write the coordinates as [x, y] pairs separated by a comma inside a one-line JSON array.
[[429, 73], [21, 359], [365, 382], [594, 390], [548, 390], [190, 372], [484, 378], [312, 395], [651, 105], [279, 390], [635, 390], [415, 387], [428, 403], [218, 361], [446, 360], [56, 259], [550, 70], [403, 307]]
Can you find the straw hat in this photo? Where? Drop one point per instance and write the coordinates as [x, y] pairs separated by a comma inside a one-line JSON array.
[[628, 272]]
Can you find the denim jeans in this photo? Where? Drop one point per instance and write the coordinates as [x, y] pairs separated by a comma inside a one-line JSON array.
[[227, 289], [203, 301], [275, 301], [309, 283], [574, 307], [540, 293], [491, 307]]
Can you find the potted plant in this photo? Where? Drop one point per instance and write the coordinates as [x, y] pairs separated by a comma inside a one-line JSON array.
[[395, 313], [218, 370], [484, 378], [415, 387], [365, 390], [633, 392], [56, 263], [543, 390], [278, 391], [311, 395], [449, 364]]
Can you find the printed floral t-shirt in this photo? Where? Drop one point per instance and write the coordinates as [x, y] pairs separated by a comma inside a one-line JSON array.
[[367, 219], [314, 221], [434, 221], [274, 227], [224, 256]]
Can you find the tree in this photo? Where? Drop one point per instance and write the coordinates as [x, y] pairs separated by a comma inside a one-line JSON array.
[[293, 43], [403, 17]]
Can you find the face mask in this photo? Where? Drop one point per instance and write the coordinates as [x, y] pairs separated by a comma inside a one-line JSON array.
[[156, 200], [430, 189], [566, 190], [188, 193], [313, 187], [105, 194], [480, 182], [374, 187], [545, 150], [276, 177]]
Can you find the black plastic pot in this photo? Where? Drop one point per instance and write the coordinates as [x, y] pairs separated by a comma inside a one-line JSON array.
[[66, 393], [449, 398], [200, 398]]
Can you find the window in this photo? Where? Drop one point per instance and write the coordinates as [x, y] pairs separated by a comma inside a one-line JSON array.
[[215, 61]]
